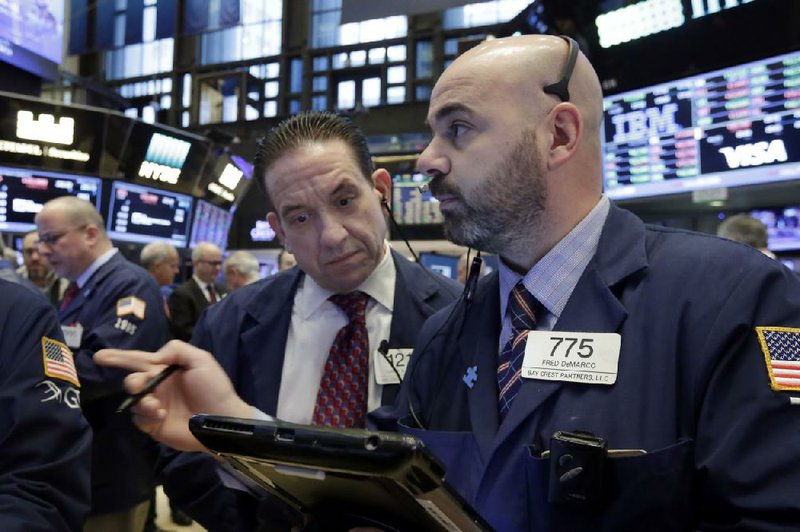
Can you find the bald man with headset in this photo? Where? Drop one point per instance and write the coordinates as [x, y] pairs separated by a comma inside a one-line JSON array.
[[611, 375]]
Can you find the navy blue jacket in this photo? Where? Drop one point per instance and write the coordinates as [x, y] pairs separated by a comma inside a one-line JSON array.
[[693, 390], [247, 333], [44, 439], [123, 458]]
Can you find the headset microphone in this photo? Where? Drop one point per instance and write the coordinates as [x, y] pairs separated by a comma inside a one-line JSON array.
[[472, 279]]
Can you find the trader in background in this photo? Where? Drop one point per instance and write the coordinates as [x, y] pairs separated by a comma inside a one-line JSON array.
[[45, 442], [747, 230], [8, 269], [191, 298], [37, 270], [240, 268], [110, 302], [284, 341], [161, 260]]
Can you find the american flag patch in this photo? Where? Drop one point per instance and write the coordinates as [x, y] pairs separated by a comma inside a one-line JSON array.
[[781, 347], [131, 305], [58, 362]]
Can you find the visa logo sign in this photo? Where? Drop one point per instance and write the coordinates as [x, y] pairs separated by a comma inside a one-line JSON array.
[[755, 154]]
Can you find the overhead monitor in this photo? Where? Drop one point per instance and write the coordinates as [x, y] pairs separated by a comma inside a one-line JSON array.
[[210, 224], [412, 206], [446, 265], [143, 214], [783, 227], [225, 179], [727, 128], [159, 157], [31, 34], [23, 193], [62, 138]]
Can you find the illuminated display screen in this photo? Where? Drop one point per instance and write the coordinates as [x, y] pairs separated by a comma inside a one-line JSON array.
[[210, 224], [411, 206], [142, 214], [225, 179], [443, 264], [163, 160], [167, 151], [783, 227], [23, 193], [30, 32], [60, 138], [732, 127]]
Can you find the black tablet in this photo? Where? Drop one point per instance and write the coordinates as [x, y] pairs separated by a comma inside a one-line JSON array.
[[382, 479]]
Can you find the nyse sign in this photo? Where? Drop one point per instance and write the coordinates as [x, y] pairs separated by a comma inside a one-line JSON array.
[[159, 172]]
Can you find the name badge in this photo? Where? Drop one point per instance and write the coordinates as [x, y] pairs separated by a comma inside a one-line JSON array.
[[73, 335], [397, 358], [588, 358]]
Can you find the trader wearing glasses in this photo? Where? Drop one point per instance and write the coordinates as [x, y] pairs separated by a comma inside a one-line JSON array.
[[109, 303], [627, 376], [191, 298]]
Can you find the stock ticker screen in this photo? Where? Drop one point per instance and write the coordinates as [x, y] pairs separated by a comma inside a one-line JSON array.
[[211, 224], [732, 127], [143, 214], [23, 193], [410, 205]]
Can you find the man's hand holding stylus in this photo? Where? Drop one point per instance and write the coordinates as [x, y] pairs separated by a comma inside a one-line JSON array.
[[200, 386]]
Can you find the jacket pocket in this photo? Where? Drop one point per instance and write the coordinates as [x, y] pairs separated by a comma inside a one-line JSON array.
[[651, 491]]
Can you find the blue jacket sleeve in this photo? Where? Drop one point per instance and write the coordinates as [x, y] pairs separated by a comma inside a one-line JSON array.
[[44, 439], [129, 331]]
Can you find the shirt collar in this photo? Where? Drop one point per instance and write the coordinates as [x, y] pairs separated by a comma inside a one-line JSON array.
[[98, 262], [379, 286], [202, 284], [553, 278]]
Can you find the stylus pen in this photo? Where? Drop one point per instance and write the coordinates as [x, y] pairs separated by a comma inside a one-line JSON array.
[[132, 400]]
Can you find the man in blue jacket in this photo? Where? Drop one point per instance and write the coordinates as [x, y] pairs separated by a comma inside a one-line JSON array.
[[44, 439], [612, 375], [109, 303], [628, 377], [275, 338]]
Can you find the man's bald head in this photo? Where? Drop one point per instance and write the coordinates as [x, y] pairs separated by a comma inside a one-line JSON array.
[[515, 165], [526, 64]]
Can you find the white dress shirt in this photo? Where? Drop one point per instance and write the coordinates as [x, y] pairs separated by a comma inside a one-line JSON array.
[[204, 288], [315, 322]]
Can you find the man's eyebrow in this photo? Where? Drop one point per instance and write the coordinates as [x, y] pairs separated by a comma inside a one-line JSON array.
[[286, 209], [447, 110], [344, 186]]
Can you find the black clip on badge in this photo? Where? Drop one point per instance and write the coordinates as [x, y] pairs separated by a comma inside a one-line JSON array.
[[577, 460]]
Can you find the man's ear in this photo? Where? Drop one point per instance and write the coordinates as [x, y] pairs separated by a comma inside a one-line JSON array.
[[92, 233], [275, 223], [383, 185], [566, 130]]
